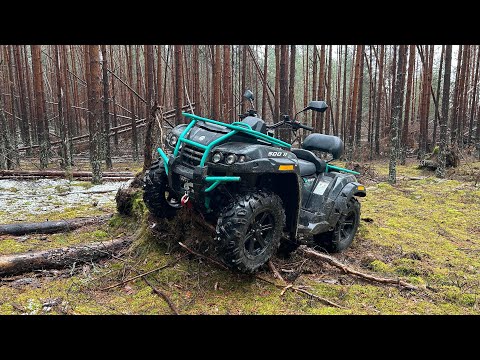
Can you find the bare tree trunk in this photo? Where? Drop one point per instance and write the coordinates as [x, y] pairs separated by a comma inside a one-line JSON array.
[[404, 143], [474, 98], [114, 102], [227, 84], [305, 78], [13, 123], [291, 87], [217, 81], [264, 90], [76, 123], [437, 104], [67, 108], [244, 74], [159, 89], [337, 105], [149, 77], [23, 96], [400, 121], [349, 103], [94, 80], [423, 113], [129, 60], [344, 93], [379, 99], [371, 102], [427, 95], [65, 164], [196, 81], [30, 96], [464, 104], [353, 113], [314, 85], [453, 125], [178, 83], [277, 84], [283, 87], [358, 125], [328, 85], [5, 148], [139, 82], [106, 109], [321, 89], [40, 105], [440, 171], [397, 106]]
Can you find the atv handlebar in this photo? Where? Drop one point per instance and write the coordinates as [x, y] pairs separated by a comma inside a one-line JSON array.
[[295, 125]]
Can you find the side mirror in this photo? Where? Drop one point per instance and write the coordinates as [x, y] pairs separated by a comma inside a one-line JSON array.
[[320, 106], [248, 95]]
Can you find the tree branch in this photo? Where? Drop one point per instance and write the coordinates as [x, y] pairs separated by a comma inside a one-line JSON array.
[[334, 262]]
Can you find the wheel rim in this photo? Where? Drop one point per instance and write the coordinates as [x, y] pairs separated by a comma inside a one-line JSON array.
[[259, 234], [172, 201], [346, 228]]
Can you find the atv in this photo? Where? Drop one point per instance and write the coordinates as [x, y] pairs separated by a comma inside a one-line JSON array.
[[256, 189]]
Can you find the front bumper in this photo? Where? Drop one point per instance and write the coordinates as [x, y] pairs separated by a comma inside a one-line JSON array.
[[193, 181]]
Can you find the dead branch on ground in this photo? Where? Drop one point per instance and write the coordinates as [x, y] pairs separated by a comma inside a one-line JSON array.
[[334, 262]]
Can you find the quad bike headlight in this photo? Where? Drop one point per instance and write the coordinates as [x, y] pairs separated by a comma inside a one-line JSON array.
[[172, 140], [217, 157], [230, 159]]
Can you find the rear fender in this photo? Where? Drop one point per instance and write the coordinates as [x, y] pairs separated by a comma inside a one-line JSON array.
[[348, 191]]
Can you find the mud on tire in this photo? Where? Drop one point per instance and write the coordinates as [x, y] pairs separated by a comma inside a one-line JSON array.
[[249, 230], [157, 195]]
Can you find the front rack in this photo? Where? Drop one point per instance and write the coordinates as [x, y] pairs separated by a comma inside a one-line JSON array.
[[235, 127]]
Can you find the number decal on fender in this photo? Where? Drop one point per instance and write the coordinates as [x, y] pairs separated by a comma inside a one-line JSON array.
[[277, 153]]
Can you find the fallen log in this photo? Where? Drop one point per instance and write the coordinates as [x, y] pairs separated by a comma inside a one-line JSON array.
[[315, 255], [85, 178], [61, 257], [58, 173], [49, 227]]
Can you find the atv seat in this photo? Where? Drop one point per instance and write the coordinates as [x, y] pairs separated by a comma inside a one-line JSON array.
[[327, 143], [309, 163]]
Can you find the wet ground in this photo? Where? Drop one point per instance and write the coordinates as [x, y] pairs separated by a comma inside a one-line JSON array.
[[52, 199]]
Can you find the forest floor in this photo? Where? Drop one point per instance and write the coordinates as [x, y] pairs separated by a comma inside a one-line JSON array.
[[422, 230]]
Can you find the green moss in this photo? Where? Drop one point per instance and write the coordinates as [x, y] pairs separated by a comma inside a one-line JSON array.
[[84, 184], [63, 189], [416, 280], [139, 208], [380, 266], [99, 234], [406, 267], [117, 220]]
